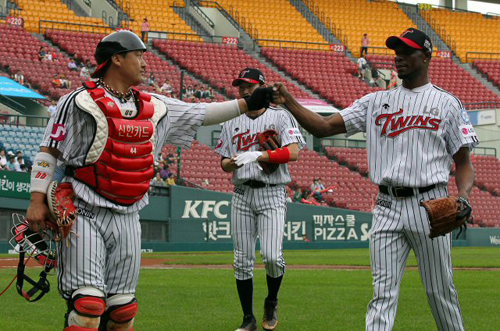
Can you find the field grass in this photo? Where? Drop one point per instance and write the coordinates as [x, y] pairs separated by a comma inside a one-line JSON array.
[[201, 299]]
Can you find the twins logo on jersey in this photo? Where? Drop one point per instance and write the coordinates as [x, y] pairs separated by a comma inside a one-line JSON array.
[[244, 140], [394, 124]]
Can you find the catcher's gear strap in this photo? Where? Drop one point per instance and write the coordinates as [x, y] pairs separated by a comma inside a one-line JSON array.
[[42, 172], [219, 112], [279, 156], [87, 305], [42, 285]]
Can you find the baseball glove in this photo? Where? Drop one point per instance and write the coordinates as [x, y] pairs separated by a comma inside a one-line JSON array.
[[268, 141], [447, 214], [60, 201]]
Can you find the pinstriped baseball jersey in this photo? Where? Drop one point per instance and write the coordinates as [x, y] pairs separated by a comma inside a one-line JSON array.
[[240, 135], [411, 134], [72, 131]]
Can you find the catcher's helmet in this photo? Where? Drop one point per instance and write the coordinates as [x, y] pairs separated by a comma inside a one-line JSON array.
[[38, 245], [117, 42]]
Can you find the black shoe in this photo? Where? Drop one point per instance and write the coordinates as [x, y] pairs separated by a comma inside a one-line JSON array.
[[270, 319], [249, 323]]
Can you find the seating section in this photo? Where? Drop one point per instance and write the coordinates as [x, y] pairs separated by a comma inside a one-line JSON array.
[[484, 197], [83, 45], [219, 64], [379, 19], [465, 31], [276, 20], [487, 173], [19, 51], [330, 74], [451, 77], [21, 138], [161, 17], [490, 68], [33, 11]]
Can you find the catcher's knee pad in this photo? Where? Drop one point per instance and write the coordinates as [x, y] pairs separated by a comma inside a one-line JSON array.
[[78, 328], [85, 308], [121, 311]]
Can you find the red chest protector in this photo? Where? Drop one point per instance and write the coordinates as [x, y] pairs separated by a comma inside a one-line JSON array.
[[124, 169]]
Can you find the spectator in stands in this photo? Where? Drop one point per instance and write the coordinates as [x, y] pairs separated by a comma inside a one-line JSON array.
[[158, 181], [42, 55], [164, 172], [90, 67], [3, 159], [316, 188], [144, 30], [166, 87], [375, 77], [362, 64], [72, 65], [12, 160], [159, 159], [17, 163], [210, 94], [297, 196], [170, 159], [152, 81], [197, 92], [85, 73], [189, 93], [50, 56], [170, 180], [52, 108], [364, 44], [65, 83], [78, 61], [20, 157]]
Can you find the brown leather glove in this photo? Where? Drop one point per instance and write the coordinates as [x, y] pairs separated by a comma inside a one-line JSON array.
[[447, 214], [268, 141]]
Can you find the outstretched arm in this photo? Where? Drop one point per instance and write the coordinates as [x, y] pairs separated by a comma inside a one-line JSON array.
[[316, 124]]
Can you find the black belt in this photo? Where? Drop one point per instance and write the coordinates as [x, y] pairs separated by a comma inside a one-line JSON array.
[[403, 192], [257, 184]]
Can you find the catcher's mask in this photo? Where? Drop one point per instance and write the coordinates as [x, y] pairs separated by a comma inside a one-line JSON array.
[[38, 245]]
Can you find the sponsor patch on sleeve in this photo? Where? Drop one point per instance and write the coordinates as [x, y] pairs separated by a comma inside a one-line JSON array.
[[58, 132], [293, 132], [467, 131]]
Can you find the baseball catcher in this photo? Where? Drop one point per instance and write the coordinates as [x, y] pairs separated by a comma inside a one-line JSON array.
[[447, 214]]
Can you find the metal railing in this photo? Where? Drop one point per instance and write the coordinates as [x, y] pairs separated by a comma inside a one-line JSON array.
[[216, 5], [481, 56], [291, 44], [244, 23], [197, 9], [327, 22], [346, 143], [22, 120], [168, 35], [12, 103], [485, 105], [486, 151], [440, 31], [68, 26]]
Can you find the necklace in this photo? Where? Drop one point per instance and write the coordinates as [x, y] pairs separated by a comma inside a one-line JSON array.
[[124, 97]]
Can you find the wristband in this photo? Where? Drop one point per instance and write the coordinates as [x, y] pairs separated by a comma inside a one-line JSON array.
[[279, 156], [42, 172]]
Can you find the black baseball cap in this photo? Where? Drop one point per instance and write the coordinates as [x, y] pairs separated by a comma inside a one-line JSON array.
[[411, 37], [250, 75]]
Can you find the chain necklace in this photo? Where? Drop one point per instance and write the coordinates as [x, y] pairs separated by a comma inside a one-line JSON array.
[[124, 97]]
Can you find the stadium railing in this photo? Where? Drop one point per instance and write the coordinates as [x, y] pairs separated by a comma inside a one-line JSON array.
[[24, 120], [178, 36], [67, 26], [278, 43], [351, 143], [326, 20], [470, 56]]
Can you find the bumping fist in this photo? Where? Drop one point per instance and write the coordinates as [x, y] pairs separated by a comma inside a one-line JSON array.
[[280, 94], [260, 98]]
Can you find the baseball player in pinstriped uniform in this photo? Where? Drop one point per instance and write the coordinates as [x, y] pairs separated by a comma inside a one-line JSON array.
[[259, 200], [414, 133], [105, 135]]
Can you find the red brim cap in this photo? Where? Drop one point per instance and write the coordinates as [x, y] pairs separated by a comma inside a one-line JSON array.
[[99, 70], [237, 81], [393, 41]]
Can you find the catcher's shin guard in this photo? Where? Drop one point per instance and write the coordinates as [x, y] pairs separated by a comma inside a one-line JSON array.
[[85, 308], [78, 328], [120, 314]]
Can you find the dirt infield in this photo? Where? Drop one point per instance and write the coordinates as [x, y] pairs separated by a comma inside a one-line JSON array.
[[11, 262]]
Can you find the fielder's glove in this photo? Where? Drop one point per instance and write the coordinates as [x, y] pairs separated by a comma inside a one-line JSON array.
[[447, 214], [268, 141], [60, 200]]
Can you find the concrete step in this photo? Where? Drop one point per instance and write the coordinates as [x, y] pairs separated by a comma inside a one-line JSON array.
[[479, 76]]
